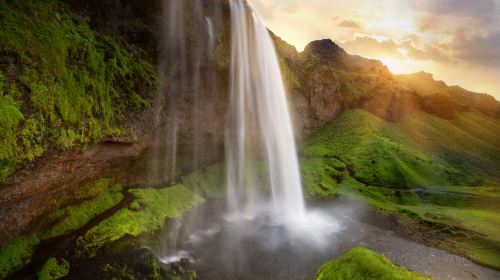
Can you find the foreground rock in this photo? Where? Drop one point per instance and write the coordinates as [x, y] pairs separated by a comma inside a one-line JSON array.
[[361, 263]]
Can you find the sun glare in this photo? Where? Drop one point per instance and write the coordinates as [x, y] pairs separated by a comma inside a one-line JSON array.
[[402, 66]]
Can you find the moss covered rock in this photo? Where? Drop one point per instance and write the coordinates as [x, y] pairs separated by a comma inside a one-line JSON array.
[[54, 269], [360, 263], [159, 204], [15, 254]]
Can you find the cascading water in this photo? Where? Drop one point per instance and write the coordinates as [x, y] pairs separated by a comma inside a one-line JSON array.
[[259, 124], [264, 193]]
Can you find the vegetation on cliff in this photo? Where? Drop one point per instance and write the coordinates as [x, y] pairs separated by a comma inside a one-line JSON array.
[[61, 83]]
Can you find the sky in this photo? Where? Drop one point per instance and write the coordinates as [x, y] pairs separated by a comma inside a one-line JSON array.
[[456, 40]]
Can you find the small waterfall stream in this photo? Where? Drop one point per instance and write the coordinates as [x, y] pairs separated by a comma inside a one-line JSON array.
[[259, 126]]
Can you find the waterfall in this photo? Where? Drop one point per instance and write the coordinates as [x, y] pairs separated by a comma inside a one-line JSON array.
[[187, 93], [259, 128], [264, 192]]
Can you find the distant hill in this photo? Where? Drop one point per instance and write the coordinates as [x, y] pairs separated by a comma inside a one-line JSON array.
[[324, 80]]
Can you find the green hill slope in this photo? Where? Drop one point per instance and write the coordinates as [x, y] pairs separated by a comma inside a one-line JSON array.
[[444, 173], [420, 150]]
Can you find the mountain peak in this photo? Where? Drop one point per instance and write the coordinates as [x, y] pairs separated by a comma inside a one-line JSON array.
[[324, 48]]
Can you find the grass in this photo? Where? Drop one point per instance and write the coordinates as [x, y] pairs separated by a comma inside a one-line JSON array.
[[54, 269], [158, 205], [381, 153], [361, 263], [73, 86], [11, 117], [455, 163]]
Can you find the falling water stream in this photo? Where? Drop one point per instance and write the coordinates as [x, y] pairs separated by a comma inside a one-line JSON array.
[[259, 119]]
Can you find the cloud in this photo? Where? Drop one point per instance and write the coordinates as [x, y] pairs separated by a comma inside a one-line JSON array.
[[462, 8], [450, 15], [368, 46], [435, 53], [478, 49], [349, 23], [429, 23]]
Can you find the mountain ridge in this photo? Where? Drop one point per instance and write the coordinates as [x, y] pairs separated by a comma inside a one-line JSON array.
[[324, 80]]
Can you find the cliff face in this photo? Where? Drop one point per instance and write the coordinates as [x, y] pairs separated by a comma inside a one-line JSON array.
[[87, 94], [118, 121], [324, 80], [64, 87]]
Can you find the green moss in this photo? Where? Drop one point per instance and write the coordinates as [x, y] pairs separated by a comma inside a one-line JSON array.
[[141, 264], [74, 85], [135, 206], [16, 253], [74, 217], [11, 117], [159, 205], [54, 269], [32, 139], [361, 263], [94, 188], [208, 182]]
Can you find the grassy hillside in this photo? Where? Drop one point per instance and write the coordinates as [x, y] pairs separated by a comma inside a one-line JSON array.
[[437, 172], [418, 151], [61, 84]]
